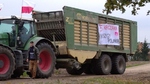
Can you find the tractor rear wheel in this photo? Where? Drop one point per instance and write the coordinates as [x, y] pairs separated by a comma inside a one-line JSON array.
[[7, 63], [47, 60]]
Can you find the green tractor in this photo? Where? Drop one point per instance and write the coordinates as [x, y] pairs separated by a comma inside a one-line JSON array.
[[15, 36]]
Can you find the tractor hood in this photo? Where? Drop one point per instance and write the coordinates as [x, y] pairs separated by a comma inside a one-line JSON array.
[[4, 39]]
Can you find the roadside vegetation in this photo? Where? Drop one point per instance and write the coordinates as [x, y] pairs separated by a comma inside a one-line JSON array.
[[142, 52], [136, 63]]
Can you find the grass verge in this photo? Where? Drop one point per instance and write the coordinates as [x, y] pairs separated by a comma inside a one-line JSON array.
[[136, 63], [25, 74], [109, 81]]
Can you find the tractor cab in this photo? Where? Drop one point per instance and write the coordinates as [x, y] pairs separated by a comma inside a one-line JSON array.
[[16, 32]]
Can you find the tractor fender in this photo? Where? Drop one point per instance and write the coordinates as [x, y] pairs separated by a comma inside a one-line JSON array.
[[38, 40], [8, 48]]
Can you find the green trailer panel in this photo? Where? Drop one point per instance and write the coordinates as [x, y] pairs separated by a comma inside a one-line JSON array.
[[79, 29], [82, 31]]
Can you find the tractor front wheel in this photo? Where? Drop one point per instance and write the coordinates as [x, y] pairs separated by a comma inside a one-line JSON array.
[[7, 63]]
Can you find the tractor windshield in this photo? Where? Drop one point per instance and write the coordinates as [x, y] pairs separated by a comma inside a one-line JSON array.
[[26, 32], [7, 26]]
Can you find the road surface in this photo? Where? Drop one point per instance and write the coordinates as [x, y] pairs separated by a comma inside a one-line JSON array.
[[137, 73]]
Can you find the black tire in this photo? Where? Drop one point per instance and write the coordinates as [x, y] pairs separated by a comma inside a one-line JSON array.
[[74, 71], [102, 66], [88, 70], [17, 73], [8, 58], [118, 64], [29, 74], [47, 61]]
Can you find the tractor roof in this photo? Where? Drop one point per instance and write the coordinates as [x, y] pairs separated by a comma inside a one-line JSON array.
[[23, 18]]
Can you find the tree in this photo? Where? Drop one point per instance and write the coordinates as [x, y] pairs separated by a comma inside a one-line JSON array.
[[112, 5], [137, 56], [145, 51]]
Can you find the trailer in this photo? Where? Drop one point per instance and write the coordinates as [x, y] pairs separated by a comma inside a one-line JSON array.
[[85, 42]]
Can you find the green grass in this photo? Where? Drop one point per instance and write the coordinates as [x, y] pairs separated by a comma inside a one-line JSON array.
[[109, 81], [135, 65], [25, 74]]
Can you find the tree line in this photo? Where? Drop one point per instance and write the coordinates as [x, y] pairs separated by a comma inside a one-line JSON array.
[[141, 54]]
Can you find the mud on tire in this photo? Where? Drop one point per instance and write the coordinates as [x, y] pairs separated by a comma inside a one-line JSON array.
[[47, 60], [6, 58]]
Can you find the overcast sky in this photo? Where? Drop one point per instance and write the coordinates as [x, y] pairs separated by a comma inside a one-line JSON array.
[[13, 7]]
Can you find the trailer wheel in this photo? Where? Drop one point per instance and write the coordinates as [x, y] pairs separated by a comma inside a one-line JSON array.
[[7, 63], [74, 71], [47, 60], [118, 64], [88, 70], [102, 66]]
